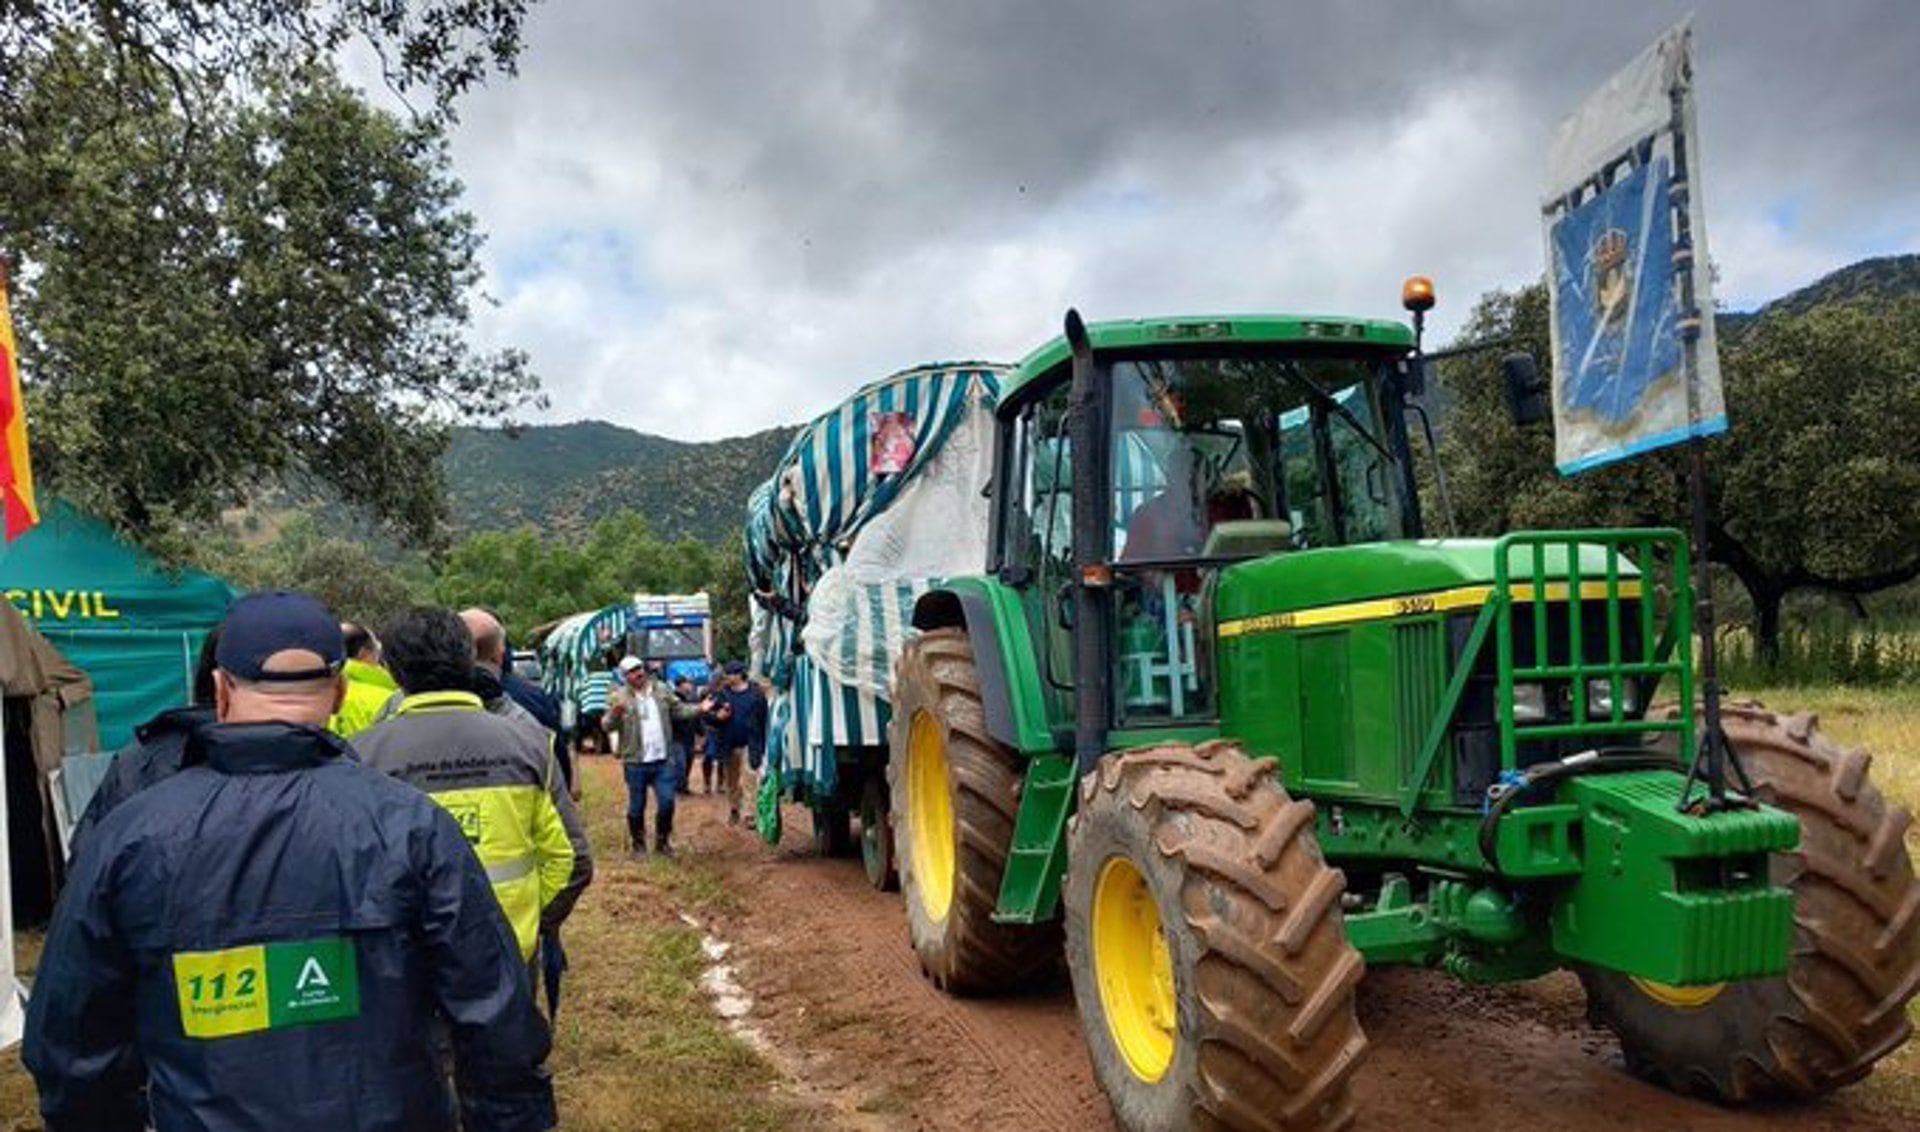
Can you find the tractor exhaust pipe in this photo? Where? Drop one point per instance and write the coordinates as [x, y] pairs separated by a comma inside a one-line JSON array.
[[1093, 574]]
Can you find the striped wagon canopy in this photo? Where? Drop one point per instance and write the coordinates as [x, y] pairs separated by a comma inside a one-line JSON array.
[[872, 501], [570, 651]]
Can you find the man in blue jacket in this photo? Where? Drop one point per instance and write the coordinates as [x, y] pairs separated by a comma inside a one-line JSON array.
[[737, 710], [159, 749], [279, 937]]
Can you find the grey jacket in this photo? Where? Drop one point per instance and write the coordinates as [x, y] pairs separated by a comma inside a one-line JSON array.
[[621, 714], [497, 778]]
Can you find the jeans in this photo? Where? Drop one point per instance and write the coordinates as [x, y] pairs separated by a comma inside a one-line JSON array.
[[661, 777]]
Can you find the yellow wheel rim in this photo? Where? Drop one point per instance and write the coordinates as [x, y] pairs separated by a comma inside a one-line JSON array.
[[1680, 998], [930, 816], [1134, 970]]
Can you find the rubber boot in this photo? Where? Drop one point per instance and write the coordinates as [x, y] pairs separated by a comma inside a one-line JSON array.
[[637, 835], [706, 777], [663, 836]]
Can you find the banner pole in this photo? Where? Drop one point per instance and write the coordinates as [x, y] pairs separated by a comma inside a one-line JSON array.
[[1703, 612]]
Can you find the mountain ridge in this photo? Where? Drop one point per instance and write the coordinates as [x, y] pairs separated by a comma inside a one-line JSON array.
[[561, 478]]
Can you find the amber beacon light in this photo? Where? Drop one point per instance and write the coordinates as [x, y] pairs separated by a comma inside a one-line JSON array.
[[1416, 294]]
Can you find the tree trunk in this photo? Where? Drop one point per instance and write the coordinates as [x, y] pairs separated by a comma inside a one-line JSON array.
[[1766, 621]]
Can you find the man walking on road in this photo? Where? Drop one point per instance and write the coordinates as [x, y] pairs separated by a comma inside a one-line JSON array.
[[160, 748], [645, 710], [507, 695], [738, 710], [495, 777], [369, 687], [592, 698], [686, 733], [278, 937]]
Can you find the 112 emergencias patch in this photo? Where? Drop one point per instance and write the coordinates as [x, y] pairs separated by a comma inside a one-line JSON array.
[[273, 986]]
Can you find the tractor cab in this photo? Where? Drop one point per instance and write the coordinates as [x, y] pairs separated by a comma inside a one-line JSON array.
[[1218, 442]]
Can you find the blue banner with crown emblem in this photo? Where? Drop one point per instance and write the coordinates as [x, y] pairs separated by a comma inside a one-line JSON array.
[[1622, 383], [1617, 312]]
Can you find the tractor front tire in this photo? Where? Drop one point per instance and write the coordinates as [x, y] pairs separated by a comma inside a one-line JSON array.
[[956, 792], [1855, 955], [1209, 956]]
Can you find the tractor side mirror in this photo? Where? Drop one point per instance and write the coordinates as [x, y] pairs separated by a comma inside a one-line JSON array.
[[1528, 400], [1413, 376]]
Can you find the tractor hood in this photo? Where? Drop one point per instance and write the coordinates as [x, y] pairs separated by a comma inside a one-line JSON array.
[[1306, 579]]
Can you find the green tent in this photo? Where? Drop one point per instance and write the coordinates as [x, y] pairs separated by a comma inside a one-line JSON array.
[[131, 625]]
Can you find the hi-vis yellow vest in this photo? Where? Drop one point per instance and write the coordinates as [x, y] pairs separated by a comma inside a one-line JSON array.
[[498, 782]]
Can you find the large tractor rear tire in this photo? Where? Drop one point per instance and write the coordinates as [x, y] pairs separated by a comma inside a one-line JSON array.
[[955, 795], [1209, 956], [1842, 1005]]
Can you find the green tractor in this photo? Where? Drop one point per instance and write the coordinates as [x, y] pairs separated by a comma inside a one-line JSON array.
[[1221, 716]]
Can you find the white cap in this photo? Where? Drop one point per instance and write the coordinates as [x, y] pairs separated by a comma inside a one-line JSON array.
[[629, 663]]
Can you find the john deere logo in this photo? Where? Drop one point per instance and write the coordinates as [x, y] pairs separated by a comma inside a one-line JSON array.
[[1612, 276]]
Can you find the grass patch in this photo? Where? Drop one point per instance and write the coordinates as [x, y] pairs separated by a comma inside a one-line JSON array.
[[637, 1047]]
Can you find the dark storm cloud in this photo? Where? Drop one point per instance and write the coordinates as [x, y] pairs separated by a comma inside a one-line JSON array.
[[816, 191]]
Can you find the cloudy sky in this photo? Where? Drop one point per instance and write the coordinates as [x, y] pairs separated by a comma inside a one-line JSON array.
[[710, 218]]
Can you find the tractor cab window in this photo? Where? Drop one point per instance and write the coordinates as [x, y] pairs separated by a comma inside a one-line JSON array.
[[1236, 457], [1339, 488], [1037, 530], [1220, 459]]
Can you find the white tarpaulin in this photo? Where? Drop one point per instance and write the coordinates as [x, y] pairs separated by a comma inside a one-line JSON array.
[[1624, 229], [936, 528]]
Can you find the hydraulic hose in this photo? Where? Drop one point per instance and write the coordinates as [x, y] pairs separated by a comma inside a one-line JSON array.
[[1605, 760]]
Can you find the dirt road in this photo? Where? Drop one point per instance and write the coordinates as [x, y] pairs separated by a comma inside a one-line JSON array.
[[840, 997]]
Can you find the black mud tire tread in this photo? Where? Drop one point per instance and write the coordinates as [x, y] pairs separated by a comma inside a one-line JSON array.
[[833, 830], [1842, 1006], [876, 834], [967, 953], [1264, 974]]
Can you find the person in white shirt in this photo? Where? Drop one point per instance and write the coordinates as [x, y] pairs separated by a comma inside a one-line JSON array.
[[645, 709]]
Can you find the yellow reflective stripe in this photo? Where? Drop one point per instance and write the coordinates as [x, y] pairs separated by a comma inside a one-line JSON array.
[[441, 701], [502, 872], [1410, 605]]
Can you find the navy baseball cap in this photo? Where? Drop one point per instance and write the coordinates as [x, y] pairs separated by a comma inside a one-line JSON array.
[[274, 621], [734, 668]]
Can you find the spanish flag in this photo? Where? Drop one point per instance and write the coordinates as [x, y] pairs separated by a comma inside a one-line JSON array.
[[16, 472]]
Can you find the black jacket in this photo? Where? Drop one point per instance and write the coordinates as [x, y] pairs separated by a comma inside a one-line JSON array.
[[265, 940], [747, 725], [158, 752]]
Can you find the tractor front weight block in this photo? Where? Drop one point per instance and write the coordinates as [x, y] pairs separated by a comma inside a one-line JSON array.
[[1669, 896]]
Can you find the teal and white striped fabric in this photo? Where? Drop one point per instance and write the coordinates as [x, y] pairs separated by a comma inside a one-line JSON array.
[[572, 650], [804, 522], [593, 692]]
